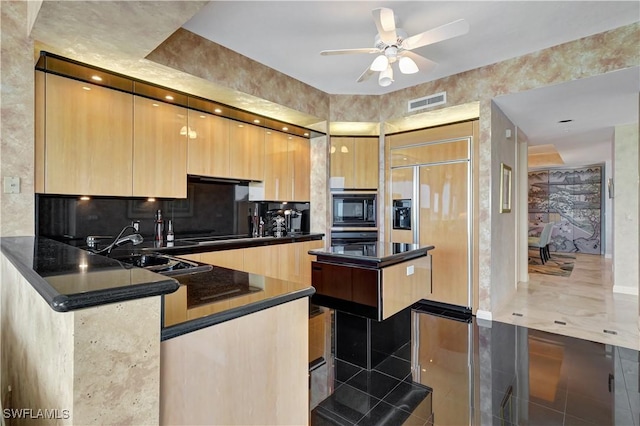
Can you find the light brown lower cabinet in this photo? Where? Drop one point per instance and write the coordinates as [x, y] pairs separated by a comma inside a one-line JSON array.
[[290, 262], [249, 370]]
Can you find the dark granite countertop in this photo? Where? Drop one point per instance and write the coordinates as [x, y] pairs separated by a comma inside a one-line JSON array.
[[203, 244], [377, 255], [208, 298], [69, 278]]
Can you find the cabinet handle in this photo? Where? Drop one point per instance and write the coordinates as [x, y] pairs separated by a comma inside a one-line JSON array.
[[611, 379]]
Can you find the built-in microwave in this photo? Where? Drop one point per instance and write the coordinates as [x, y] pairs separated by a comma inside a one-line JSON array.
[[354, 210]]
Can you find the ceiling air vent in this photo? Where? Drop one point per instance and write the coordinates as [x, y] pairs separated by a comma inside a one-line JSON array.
[[428, 101]]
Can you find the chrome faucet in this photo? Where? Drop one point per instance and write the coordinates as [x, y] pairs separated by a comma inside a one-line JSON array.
[[135, 239]]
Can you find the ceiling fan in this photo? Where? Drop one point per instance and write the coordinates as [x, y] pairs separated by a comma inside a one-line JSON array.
[[392, 45]]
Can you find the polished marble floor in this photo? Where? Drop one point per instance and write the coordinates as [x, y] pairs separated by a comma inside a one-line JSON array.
[[582, 305], [458, 371]]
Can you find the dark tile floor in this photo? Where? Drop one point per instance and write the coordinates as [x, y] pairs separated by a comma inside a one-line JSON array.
[[383, 395], [474, 372]]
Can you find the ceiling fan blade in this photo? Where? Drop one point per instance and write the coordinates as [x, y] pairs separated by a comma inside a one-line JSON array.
[[443, 32], [349, 51], [366, 75], [386, 24], [424, 65]]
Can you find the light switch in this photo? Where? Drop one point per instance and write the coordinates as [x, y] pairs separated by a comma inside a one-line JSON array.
[[410, 270], [11, 185]]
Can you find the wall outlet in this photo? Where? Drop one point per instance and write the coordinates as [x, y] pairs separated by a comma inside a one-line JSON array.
[[410, 270], [11, 185]]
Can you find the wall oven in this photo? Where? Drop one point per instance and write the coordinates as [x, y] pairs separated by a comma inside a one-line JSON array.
[[354, 210]]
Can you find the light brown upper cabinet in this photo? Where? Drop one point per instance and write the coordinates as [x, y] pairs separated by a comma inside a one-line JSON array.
[[246, 151], [159, 149], [301, 161], [208, 146], [354, 163], [286, 167], [278, 179], [86, 144]]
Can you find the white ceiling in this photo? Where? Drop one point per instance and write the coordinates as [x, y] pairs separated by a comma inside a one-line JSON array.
[[289, 35]]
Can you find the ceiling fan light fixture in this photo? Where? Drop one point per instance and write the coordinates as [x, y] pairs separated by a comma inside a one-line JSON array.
[[380, 63], [386, 77], [407, 65]]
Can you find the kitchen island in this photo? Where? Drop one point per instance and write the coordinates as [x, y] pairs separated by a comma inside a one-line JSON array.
[[373, 280], [82, 334], [372, 287]]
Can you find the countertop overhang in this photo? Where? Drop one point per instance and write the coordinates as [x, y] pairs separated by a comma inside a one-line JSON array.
[[66, 276], [375, 255]]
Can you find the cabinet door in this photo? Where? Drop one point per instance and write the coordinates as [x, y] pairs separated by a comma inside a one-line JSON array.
[[159, 149], [208, 147], [88, 139], [232, 259], [365, 170], [246, 151], [443, 223], [277, 168], [301, 161], [342, 162], [263, 261]]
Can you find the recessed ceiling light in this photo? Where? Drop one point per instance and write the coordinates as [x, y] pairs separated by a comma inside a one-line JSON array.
[[169, 97], [565, 121], [306, 134], [86, 88], [151, 199], [240, 125], [96, 78], [256, 121], [155, 105], [203, 116], [217, 110], [285, 128], [85, 198]]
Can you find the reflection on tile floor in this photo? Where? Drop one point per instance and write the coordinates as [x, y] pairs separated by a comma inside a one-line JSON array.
[[384, 395], [475, 372]]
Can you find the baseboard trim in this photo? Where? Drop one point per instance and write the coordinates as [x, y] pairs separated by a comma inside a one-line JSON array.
[[625, 290], [485, 315]]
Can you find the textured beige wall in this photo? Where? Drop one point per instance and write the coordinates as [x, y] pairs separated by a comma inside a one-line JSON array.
[[37, 348], [241, 74], [625, 209], [16, 119], [101, 364], [503, 225], [116, 363]]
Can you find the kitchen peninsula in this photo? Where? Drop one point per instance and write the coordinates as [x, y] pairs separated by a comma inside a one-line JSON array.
[[102, 358]]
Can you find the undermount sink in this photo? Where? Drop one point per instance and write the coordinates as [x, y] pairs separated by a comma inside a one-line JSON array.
[[163, 264]]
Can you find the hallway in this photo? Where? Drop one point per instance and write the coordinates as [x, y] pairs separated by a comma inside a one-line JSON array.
[[581, 305]]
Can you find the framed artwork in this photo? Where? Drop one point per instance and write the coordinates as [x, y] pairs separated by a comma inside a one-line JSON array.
[[505, 188]]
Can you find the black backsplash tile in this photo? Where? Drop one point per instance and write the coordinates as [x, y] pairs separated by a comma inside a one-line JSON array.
[[212, 208]]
